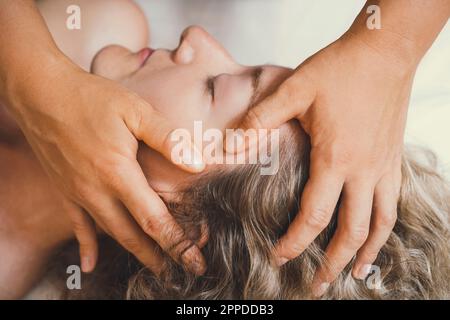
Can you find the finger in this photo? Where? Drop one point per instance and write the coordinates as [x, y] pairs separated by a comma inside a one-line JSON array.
[[351, 233], [153, 217], [382, 222], [318, 202], [159, 134], [84, 229], [290, 100], [119, 225], [204, 235]]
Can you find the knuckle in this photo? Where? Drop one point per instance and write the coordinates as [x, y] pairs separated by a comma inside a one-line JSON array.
[[252, 120], [149, 226], [82, 190], [131, 244], [174, 241], [174, 238], [112, 172], [177, 249], [356, 236], [156, 221], [293, 250], [135, 117], [370, 255], [78, 227], [318, 218], [373, 159], [337, 157], [93, 205], [386, 220]]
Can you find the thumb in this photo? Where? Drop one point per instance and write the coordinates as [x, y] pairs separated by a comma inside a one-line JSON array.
[[290, 100], [156, 132]]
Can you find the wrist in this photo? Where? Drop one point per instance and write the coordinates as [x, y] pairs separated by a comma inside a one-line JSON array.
[[401, 31], [399, 53], [32, 85]]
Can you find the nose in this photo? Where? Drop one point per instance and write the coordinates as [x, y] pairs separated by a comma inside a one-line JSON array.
[[197, 44], [195, 34]]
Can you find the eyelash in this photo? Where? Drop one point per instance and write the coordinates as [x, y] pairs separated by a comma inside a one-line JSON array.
[[210, 86]]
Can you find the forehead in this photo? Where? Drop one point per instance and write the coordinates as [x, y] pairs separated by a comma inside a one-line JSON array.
[[272, 76]]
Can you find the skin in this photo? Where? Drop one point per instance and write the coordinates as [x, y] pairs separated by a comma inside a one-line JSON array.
[[349, 154], [90, 153], [199, 57], [352, 99], [181, 74]]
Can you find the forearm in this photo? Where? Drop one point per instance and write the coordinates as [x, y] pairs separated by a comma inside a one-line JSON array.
[[27, 50], [408, 27]]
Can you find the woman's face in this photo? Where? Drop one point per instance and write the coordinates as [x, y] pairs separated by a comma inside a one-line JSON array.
[[198, 81]]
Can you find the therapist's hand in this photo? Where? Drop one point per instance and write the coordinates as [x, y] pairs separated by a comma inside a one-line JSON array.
[[352, 101], [85, 130]]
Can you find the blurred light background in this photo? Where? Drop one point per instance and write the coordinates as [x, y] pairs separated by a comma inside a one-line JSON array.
[[286, 32]]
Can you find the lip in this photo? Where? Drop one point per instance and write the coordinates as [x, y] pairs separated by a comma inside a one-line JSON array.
[[144, 54]]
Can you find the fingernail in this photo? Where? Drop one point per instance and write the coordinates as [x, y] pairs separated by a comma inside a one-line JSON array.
[[364, 271], [193, 261], [86, 264], [319, 290], [281, 261]]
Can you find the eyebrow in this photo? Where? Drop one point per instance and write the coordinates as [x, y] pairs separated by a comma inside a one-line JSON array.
[[256, 83]]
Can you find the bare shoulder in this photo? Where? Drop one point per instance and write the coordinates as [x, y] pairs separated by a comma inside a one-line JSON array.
[[101, 23]]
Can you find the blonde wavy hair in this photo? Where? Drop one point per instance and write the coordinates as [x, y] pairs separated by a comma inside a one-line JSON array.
[[246, 213]]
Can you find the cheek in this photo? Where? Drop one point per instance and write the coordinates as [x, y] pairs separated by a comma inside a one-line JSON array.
[[180, 104]]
